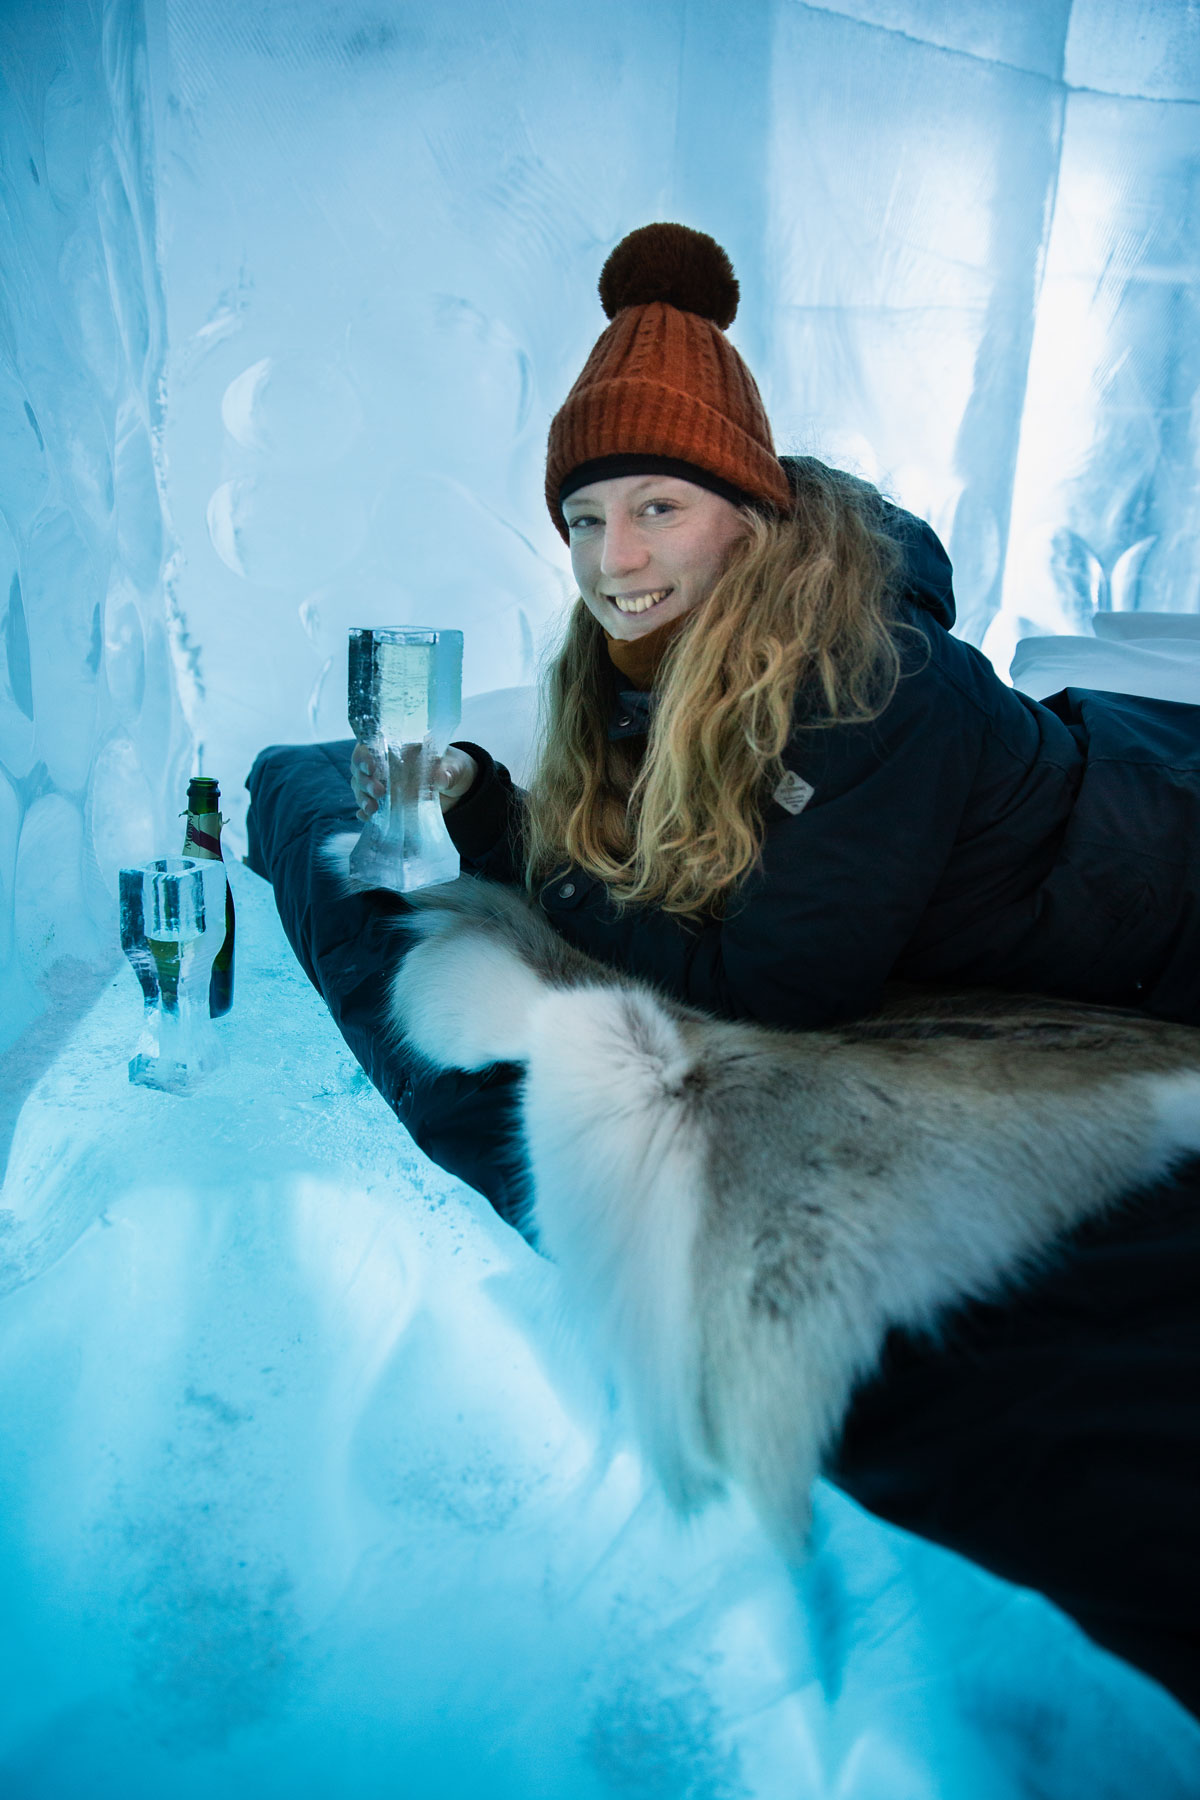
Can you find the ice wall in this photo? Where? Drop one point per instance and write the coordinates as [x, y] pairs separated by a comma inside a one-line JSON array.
[[963, 236], [91, 733], [382, 230], [966, 243], [1106, 503]]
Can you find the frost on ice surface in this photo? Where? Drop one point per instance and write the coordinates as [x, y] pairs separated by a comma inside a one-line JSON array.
[[964, 242], [90, 726], [303, 1492], [300, 1491]]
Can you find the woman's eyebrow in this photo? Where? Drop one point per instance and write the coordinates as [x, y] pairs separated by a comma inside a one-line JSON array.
[[583, 498]]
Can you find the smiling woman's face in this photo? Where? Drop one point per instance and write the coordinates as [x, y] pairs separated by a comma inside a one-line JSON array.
[[646, 549]]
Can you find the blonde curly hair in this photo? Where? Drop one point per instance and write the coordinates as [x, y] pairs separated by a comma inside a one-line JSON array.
[[797, 633]]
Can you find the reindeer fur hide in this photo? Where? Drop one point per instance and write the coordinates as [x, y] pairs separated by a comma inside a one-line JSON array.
[[740, 1214]]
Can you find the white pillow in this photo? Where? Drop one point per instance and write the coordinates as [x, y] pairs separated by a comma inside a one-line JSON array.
[[1156, 667]]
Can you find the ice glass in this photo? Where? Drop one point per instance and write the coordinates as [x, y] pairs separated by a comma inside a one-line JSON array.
[[405, 702], [172, 925]]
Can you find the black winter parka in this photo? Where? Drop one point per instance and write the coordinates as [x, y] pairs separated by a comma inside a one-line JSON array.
[[968, 835]]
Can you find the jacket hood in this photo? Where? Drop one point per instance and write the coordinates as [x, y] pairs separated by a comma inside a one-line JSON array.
[[928, 573], [926, 581]]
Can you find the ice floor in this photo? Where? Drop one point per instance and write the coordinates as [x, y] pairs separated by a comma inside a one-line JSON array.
[[302, 1494]]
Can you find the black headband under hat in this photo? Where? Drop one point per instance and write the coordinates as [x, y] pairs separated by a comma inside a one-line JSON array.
[[608, 468]]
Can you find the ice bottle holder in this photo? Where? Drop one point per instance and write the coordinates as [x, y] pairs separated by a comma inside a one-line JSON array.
[[172, 914]]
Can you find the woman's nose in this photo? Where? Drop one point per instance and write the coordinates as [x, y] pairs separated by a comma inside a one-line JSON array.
[[623, 550]]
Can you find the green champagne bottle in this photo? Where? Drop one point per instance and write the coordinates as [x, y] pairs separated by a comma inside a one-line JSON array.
[[203, 838]]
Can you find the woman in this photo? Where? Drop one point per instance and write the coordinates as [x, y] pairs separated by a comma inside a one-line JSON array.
[[771, 780]]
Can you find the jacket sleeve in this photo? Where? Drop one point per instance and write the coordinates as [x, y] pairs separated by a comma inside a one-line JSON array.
[[348, 945], [841, 885], [487, 825]]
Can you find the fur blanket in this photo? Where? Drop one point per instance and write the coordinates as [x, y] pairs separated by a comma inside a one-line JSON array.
[[740, 1214]]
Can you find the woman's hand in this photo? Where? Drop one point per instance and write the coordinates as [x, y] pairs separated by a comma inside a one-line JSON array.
[[367, 780], [453, 774]]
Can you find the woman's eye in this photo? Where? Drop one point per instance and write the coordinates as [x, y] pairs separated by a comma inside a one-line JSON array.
[[654, 507], [580, 522]]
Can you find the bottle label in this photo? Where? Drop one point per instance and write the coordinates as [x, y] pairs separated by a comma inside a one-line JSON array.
[[203, 838], [203, 841], [199, 842]]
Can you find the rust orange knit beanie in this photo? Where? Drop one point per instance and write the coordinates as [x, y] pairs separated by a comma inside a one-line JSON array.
[[663, 389]]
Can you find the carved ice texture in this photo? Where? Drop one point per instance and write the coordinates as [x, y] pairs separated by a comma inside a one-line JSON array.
[[290, 1504], [966, 243], [92, 739], [405, 702], [305, 1496], [172, 913]]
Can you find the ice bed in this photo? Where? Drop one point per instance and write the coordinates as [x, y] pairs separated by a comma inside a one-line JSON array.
[[304, 1494]]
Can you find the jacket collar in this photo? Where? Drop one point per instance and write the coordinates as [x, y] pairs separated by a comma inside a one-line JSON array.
[[630, 714]]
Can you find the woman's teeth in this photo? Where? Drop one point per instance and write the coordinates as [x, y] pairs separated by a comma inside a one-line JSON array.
[[642, 603]]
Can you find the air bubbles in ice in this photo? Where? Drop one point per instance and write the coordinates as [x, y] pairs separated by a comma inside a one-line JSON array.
[[124, 650], [282, 533], [301, 412]]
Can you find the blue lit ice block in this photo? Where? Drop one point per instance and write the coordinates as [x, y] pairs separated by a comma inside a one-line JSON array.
[[172, 925], [405, 702]]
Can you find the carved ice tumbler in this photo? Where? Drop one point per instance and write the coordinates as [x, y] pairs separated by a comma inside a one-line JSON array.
[[405, 701], [172, 925]]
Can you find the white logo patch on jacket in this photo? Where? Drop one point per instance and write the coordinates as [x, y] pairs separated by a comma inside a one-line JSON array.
[[793, 792]]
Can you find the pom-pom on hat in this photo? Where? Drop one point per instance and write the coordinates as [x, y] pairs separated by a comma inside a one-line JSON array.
[[664, 389]]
